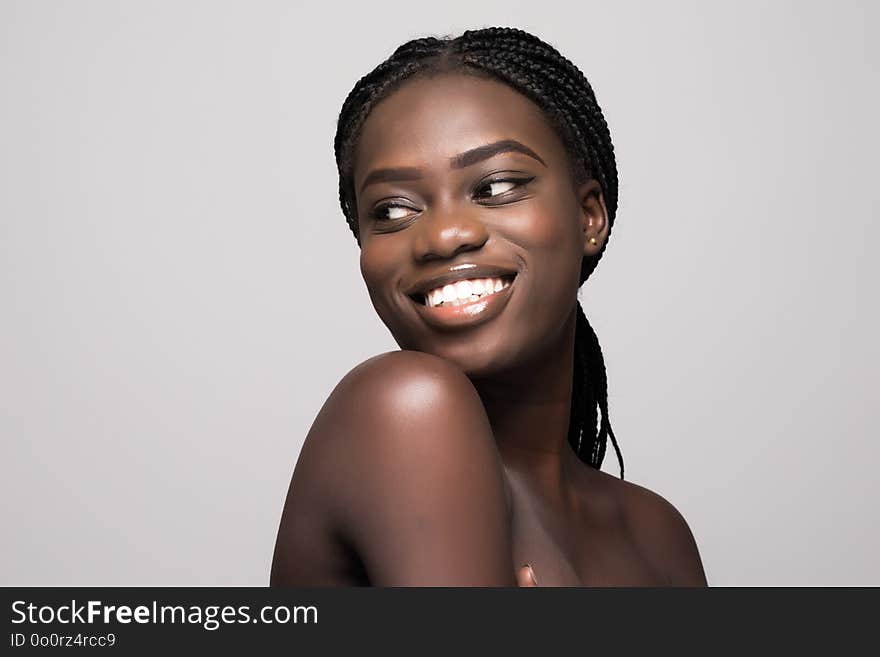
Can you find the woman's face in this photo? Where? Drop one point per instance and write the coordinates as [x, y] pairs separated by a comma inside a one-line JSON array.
[[461, 178]]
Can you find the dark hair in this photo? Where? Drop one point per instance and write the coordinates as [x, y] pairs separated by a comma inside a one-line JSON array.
[[538, 71]]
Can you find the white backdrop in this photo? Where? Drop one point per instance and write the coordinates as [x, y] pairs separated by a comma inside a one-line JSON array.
[[179, 291]]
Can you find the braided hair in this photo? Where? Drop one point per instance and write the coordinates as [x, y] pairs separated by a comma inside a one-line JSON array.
[[538, 71]]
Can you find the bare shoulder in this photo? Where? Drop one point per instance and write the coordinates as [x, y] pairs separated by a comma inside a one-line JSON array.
[[386, 398], [394, 461], [389, 406], [401, 379], [661, 531], [404, 411]]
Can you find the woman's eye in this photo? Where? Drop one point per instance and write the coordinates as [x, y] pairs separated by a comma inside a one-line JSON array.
[[392, 212], [498, 187], [396, 212]]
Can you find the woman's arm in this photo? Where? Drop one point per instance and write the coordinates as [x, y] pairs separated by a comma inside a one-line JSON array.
[[403, 461]]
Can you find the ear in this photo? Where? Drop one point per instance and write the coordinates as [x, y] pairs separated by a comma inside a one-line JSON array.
[[594, 217]]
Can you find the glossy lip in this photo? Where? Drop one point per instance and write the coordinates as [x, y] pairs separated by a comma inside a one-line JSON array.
[[450, 318]]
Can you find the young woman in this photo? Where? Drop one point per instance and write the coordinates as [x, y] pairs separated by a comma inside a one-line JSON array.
[[478, 176]]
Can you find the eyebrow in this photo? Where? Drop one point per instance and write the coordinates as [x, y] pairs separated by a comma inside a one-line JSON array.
[[460, 161]]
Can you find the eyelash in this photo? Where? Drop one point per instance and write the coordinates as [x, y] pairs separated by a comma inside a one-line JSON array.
[[518, 182]]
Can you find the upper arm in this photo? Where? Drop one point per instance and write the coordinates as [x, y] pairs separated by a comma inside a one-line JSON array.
[[411, 474], [667, 537]]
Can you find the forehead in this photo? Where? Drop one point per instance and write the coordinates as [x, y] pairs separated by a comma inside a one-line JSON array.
[[430, 119]]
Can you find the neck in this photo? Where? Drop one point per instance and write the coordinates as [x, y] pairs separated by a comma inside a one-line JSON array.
[[529, 409]]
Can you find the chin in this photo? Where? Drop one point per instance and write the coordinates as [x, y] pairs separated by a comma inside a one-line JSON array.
[[477, 361]]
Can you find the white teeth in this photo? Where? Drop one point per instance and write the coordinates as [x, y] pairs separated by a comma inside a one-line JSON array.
[[465, 291]]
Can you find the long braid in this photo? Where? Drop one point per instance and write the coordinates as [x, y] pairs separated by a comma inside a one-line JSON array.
[[538, 71], [597, 394]]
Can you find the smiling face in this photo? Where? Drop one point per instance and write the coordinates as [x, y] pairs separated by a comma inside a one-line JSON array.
[[460, 177]]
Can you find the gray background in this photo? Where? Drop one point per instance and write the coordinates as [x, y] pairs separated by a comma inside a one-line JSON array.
[[180, 291]]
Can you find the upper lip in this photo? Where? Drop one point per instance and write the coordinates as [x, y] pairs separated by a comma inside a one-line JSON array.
[[457, 273]]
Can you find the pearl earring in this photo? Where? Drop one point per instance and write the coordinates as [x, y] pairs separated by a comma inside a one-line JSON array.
[[592, 240]]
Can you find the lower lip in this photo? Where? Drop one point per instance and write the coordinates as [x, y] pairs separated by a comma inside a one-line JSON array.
[[467, 314]]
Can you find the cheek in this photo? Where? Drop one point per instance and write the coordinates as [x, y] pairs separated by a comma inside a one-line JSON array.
[[377, 265], [380, 269], [550, 236]]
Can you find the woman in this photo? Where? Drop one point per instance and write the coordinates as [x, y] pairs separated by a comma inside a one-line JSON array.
[[478, 176]]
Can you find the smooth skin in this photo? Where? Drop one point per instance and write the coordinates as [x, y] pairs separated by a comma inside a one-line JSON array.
[[447, 463]]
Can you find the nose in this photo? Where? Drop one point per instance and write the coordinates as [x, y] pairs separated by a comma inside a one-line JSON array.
[[444, 233]]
